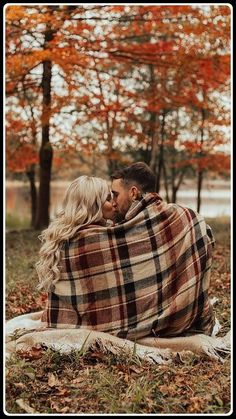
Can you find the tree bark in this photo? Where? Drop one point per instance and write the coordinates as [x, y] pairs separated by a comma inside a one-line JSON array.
[[199, 188], [30, 172], [176, 186], [161, 153], [154, 142], [33, 194], [166, 182], [153, 134], [200, 170], [45, 153]]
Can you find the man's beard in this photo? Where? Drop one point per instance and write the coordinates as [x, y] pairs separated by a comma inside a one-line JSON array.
[[118, 217]]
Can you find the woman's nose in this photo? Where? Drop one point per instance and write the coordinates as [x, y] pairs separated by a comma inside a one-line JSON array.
[[114, 203]]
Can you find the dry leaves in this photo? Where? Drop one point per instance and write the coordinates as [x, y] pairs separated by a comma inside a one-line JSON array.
[[53, 380], [23, 405], [22, 301], [36, 352]]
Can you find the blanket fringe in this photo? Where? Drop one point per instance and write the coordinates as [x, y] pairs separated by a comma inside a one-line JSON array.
[[214, 347], [133, 350]]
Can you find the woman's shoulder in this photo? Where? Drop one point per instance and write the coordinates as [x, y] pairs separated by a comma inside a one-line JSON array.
[[94, 228]]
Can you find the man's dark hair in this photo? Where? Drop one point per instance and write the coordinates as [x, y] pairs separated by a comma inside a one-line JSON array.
[[138, 173]]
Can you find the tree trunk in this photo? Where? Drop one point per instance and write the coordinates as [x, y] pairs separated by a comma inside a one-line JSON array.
[[30, 172], [33, 194], [152, 132], [154, 142], [161, 153], [200, 170], [176, 186], [45, 153], [45, 159], [166, 182], [199, 188]]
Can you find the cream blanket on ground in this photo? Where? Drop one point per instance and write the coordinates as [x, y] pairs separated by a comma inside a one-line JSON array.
[[25, 331]]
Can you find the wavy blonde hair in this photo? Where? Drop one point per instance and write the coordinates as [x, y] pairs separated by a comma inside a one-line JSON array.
[[81, 206]]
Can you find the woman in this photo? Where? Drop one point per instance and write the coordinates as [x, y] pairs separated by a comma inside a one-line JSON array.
[[87, 203]]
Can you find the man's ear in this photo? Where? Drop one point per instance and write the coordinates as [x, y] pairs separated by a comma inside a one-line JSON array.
[[134, 193]]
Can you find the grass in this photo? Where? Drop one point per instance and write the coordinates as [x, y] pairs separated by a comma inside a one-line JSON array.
[[94, 382], [17, 223]]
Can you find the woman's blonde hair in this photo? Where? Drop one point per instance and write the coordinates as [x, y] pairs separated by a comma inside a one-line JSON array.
[[82, 206]]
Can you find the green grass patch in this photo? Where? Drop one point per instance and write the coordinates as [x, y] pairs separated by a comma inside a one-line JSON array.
[[17, 223], [221, 227]]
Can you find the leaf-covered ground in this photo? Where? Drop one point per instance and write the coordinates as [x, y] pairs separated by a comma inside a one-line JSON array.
[[43, 381]]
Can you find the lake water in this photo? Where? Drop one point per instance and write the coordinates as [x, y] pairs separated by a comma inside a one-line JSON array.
[[216, 198]]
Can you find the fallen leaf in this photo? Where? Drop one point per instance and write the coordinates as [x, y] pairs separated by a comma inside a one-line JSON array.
[[53, 380], [164, 389], [98, 355], [219, 401], [123, 368], [26, 407], [20, 385], [35, 352], [135, 369], [64, 409], [78, 380], [63, 392], [57, 408]]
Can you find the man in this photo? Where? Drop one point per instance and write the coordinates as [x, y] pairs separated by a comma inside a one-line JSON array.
[[178, 244]]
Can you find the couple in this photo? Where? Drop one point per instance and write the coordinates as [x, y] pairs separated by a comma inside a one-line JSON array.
[[123, 264]]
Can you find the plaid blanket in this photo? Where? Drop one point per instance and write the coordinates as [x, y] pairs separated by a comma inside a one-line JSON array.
[[148, 276]]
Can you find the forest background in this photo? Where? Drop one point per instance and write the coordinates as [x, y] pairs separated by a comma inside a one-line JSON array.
[[92, 87]]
